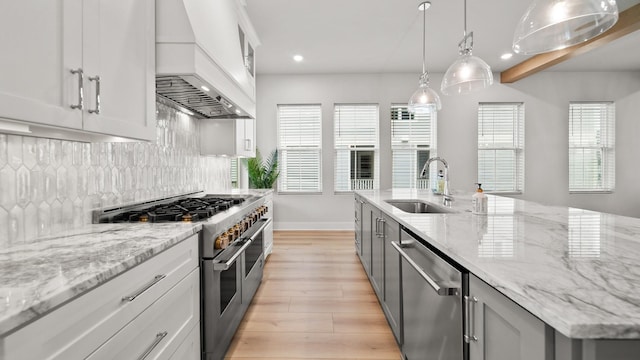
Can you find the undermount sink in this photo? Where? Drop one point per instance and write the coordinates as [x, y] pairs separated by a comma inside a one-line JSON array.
[[417, 206]]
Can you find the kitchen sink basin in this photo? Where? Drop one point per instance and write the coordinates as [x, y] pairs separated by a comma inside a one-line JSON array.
[[418, 206]]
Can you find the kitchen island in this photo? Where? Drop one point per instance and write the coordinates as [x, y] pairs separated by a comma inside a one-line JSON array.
[[576, 270]]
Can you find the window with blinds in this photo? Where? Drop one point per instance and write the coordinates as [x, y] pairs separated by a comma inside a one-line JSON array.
[[413, 141], [356, 147], [300, 148], [591, 147], [234, 173], [501, 147]]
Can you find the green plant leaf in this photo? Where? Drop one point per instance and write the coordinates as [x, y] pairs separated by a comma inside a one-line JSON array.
[[263, 175]]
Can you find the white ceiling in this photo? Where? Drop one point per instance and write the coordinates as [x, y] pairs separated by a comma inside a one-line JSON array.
[[381, 36]]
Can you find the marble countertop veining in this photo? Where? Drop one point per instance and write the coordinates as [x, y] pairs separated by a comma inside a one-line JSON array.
[[37, 277], [577, 270]]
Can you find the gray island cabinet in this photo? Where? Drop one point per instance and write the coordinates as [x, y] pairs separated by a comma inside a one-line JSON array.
[[380, 261], [499, 329], [534, 289]]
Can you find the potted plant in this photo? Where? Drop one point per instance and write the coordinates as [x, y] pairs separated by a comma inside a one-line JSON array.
[[263, 175]]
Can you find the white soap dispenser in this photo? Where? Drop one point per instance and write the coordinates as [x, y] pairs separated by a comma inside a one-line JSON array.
[[479, 201]]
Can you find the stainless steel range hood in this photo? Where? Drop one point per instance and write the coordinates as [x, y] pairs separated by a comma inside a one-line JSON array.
[[200, 65]]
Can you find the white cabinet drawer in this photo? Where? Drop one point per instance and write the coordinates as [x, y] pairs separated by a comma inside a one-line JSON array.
[[190, 347], [161, 329], [79, 327]]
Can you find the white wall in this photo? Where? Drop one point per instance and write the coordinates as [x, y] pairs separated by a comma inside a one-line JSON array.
[[546, 97]]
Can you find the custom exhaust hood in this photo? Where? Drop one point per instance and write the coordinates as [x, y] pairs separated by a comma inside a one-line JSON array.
[[200, 57]]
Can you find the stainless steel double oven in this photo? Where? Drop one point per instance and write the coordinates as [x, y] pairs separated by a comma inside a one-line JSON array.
[[230, 278]]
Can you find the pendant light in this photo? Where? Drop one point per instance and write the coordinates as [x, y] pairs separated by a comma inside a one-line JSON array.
[[468, 73], [424, 100], [549, 25]]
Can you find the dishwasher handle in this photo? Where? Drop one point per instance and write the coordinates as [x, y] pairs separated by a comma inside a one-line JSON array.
[[440, 290]]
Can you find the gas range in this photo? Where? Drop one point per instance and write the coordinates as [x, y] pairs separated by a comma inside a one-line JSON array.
[[183, 208], [231, 252], [240, 213]]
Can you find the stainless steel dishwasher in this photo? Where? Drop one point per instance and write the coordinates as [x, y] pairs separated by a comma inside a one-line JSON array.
[[432, 303]]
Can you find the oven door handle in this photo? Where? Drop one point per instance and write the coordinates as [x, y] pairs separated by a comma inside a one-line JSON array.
[[265, 222], [222, 266]]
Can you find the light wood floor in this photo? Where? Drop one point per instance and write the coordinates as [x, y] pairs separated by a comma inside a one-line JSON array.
[[315, 302]]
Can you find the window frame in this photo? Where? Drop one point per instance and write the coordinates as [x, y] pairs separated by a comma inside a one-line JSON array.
[[518, 147], [413, 146], [608, 153], [354, 147], [282, 151]]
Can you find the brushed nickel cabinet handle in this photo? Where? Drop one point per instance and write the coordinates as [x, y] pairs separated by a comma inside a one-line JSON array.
[[146, 287], [80, 88], [97, 80], [156, 341], [469, 303]]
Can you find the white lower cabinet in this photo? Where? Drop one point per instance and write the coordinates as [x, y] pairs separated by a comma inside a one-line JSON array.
[[190, 347], [268, 230], [502, 330], [158, 331], [136, 299]]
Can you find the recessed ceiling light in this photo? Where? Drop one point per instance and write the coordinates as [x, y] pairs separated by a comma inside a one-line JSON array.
[[506, 56], [298, 58], [238, 112], [204, 88]]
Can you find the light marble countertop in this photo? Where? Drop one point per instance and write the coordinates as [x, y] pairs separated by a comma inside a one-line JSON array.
[[576, 270], [39, 276]]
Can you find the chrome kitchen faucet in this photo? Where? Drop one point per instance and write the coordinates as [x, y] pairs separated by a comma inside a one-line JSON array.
[[447, 198]]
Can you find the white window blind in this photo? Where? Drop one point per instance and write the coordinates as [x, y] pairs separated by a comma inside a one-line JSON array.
[[501, 147], [356, 146], [413, 141], [299, 148], [234, 173], [591, 146]]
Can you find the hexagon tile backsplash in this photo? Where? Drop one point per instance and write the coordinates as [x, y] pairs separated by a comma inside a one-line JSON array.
[[47, 185]]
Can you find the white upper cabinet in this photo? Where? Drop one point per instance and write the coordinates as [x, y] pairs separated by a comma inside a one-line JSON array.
[[41, 44], [119, 48], [232, 137], [64, 60]]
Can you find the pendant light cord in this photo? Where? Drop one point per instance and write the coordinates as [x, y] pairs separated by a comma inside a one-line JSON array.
[[465, 18], [424, 30]]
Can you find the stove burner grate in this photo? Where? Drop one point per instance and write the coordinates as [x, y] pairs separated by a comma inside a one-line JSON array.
[[185, 210]]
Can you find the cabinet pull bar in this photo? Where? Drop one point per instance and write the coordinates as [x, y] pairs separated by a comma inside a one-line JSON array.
[[156, 341], [467, 318], [469, 303], [146, 287], [382, 221], [97, 80], [440, 290], [80, 73], [247, 144]]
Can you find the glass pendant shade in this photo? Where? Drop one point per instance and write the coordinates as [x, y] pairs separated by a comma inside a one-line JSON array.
[[549, 25], [467, 74], [424, 100]]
